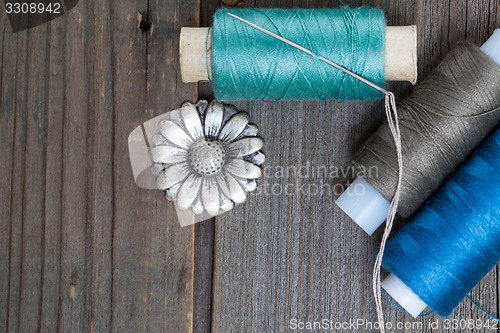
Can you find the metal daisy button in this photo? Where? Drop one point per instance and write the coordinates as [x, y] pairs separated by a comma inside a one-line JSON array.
[[208, 158]]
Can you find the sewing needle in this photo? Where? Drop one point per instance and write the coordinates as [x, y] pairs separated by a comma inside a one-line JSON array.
[[303, 49]]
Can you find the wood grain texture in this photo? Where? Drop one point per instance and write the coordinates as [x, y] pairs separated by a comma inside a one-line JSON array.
[[83, 248], [152, 277], [204, 231], [295, 255]]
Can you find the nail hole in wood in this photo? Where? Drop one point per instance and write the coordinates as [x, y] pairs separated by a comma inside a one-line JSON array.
[[143, 22], [144, 25]]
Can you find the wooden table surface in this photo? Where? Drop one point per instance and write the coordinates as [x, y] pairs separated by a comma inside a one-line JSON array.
[[84, 249]]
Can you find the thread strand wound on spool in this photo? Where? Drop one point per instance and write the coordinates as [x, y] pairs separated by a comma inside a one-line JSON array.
[[249, 65], [352, 37], [442, 121], [452, 242]]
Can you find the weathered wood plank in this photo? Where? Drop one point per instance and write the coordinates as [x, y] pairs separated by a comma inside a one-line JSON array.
[[18, 43], [53, 178], [33, 197], [152, 255], [203, 276], [296, 256], [99, 268], [84, 248], [204, 231], [75, 173], [7, 181]]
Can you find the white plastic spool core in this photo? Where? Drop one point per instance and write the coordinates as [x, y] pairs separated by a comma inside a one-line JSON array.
[[492, 46], [403, 295], [364, 205]]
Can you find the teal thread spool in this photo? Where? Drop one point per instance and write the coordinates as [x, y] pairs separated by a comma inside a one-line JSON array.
[[243, 63], [248, 65]]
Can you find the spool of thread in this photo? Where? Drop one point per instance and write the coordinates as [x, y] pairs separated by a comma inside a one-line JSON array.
[[442, 121], [453, 241], [245, 64]]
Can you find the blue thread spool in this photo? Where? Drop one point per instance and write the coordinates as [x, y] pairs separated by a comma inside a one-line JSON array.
[[453, 242]]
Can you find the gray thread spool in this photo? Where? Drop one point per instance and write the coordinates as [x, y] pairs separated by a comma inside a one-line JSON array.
[[442, 121]]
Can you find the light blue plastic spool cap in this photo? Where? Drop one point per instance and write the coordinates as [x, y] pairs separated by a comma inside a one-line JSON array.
[[492, 46], [364, 205]]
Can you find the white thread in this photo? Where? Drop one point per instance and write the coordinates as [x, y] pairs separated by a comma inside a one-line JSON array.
[[391, 112]]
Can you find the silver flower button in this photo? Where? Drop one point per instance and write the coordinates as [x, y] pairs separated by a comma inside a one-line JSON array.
[[208, 158]]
